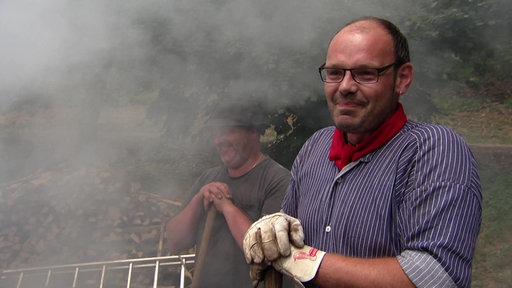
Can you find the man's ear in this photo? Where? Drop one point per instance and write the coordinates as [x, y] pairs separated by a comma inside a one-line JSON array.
[[404, 78]]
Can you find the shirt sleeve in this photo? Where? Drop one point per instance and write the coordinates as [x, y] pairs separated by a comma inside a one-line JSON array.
[[423, 270], [440, 213]]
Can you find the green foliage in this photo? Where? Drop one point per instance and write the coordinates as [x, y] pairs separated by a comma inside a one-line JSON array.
[[470, 41]]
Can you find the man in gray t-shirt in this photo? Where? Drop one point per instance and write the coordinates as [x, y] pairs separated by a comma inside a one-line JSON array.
[[247, 186]]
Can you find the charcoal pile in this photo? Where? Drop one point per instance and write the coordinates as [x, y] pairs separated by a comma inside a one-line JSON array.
[[72, 215]]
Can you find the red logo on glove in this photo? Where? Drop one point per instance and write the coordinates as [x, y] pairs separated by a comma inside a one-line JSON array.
[[301, 255]]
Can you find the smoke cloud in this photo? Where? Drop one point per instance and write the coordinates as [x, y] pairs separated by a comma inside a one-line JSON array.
[[87, 56]]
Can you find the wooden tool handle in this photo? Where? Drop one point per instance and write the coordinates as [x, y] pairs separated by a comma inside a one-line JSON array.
[[273, 279], [203, 248]]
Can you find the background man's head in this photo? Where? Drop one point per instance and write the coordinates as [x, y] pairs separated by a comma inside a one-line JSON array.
[[239, 113], [236, 127]]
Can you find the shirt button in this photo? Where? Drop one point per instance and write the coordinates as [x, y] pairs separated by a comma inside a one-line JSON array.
[[328, 229]]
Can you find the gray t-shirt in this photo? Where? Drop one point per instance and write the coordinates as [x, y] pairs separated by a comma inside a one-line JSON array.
[[257, 193]]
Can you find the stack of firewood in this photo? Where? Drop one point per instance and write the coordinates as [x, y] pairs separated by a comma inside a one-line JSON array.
[[72, 215]]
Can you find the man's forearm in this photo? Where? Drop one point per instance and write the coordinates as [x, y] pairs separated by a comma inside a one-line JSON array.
[[238, 223], [181, 230], [341, 271]]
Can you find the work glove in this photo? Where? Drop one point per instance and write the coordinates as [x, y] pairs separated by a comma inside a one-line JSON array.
[[301, 265], [271, 237], [257, 273]]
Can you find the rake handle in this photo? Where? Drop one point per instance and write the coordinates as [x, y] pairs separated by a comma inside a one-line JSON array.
[[273, 279], [203, 247]]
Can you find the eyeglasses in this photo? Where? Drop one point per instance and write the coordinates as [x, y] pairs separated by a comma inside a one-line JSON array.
[[360, 75]]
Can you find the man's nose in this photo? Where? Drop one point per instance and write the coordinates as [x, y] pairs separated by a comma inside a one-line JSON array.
[[348, 84], [218, 136]]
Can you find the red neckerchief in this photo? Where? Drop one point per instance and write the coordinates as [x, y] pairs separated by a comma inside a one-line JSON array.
[[343, 153]]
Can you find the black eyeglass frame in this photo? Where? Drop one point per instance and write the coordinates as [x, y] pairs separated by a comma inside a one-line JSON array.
[[379, 72]]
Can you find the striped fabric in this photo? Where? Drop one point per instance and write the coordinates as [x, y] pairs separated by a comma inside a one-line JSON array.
[[418, 193]]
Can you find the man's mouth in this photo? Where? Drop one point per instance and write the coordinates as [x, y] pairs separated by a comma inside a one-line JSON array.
[[347, 107], [223, 149]]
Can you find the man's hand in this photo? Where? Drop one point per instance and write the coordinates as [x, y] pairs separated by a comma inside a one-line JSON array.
[[270, 238], [214, 191]]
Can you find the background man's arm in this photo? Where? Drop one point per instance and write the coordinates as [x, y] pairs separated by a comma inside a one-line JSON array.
[[238, 222], [182, 229]]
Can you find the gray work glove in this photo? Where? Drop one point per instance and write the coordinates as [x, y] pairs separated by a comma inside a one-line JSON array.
[[269, 238], [257, 273]]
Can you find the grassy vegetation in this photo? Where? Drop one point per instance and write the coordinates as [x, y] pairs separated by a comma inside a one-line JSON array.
[[493, 256], [477, 121]]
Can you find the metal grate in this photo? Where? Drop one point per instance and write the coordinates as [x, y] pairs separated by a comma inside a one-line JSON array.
[[131, 273]]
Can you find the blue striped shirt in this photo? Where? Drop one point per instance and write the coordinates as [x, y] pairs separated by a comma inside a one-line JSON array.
[[417, 198]]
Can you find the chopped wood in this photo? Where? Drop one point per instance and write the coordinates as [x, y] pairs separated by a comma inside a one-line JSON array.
[[47, 219]]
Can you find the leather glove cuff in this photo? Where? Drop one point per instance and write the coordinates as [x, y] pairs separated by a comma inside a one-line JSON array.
[[302, 264]]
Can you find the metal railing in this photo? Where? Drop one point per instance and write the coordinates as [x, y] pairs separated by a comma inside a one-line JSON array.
[[129, 273]]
